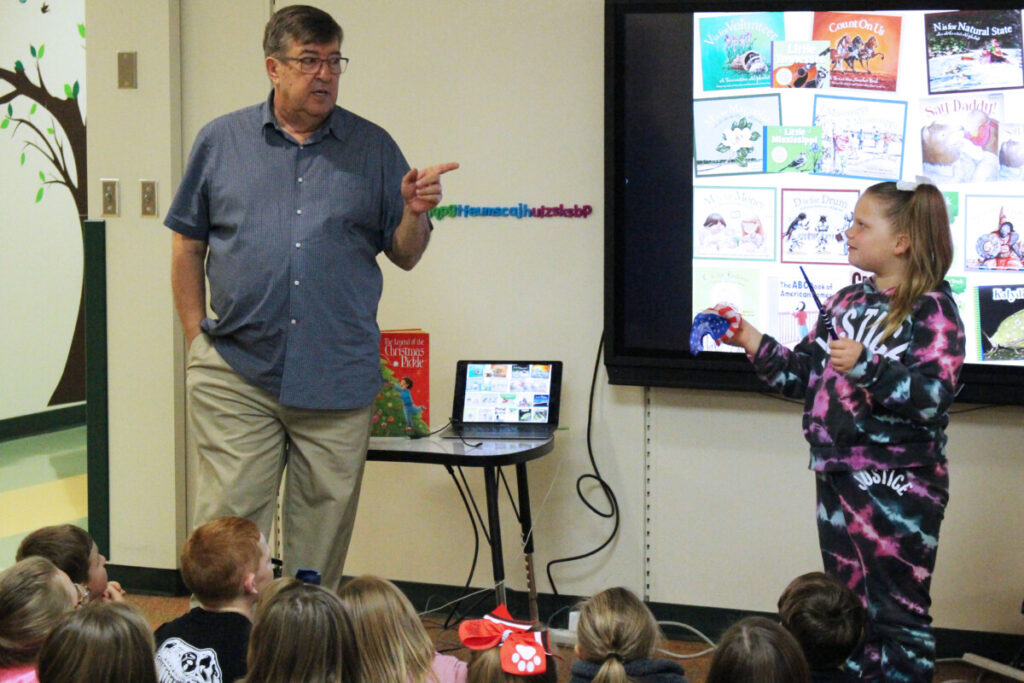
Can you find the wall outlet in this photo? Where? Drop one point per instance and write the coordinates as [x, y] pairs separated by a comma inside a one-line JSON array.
[[109, 199], [148, 197], [574, 620]]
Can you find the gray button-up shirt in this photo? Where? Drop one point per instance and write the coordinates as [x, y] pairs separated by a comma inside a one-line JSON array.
[[294, 231]]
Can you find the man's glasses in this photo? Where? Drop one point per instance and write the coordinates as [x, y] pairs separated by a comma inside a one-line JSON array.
[[311, 65]]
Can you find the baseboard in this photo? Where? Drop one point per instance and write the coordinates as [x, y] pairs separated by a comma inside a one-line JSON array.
[[554, 611], [40, 423]]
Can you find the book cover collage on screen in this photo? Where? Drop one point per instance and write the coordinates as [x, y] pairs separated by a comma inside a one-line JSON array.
[[796, 113]]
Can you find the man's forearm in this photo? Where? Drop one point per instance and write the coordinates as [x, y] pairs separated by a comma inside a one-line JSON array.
[[188, 283], [410, 240]]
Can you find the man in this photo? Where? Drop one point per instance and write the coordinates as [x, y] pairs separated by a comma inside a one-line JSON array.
[[288, 204]]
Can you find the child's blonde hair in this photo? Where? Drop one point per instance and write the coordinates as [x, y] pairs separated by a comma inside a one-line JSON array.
[[101, 643], [393, 645], [485, 667], [301, 632], [32, 602], [616, 627], [922, 216]]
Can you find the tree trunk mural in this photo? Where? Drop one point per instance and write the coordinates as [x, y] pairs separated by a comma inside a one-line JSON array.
[[65, 166]]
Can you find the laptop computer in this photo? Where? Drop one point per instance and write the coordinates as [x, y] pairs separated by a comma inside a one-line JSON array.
[[505, 399]]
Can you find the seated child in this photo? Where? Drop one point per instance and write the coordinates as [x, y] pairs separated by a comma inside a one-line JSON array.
[[72, 549], [827, 619], [225, 563], [393, 645], [616, 640], [100, 643], [34, 595], [506, 650], [301, 632], [758, 650]]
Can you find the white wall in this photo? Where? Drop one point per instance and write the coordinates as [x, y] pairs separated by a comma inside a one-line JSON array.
[[514, 91]]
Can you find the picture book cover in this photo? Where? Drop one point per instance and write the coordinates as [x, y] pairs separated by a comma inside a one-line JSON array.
[[402, 406], [960, 137], [791, 313], [734, 223], [861, 138], [736, 49], [864, 48], [814, 225], [800, 63], [728, 132], [991, 238], [973, 50], [792, 149], [1001, 322], [740, 287]]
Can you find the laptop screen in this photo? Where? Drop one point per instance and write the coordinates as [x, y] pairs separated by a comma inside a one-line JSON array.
[[508, 391]]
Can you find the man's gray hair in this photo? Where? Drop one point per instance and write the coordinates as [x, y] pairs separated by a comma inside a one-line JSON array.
[[301, 24]]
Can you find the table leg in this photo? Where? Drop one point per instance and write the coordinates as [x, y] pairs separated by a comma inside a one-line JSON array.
[[494, 522], [526, 524]]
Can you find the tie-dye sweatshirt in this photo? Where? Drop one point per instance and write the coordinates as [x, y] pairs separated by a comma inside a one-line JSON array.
[[890, 410]]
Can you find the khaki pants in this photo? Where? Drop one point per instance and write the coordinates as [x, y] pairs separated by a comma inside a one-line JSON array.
[[241, 439]]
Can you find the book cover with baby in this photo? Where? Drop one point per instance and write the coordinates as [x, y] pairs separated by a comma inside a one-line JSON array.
[[960, 137], [402, 406]]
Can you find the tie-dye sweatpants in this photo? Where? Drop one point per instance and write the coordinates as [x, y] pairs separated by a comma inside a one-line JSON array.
[[879, 531]]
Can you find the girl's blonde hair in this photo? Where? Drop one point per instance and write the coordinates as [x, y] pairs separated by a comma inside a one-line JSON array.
[[921, 215], [393, 645], [32, 601], [301, 632], [485, 667], [616, 627], [103, 642]]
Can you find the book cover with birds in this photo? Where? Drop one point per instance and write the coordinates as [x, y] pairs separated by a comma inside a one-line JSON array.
[[736, 49], [864, 48], [402, 406], [814, 224], [792, 149], [800, 63]]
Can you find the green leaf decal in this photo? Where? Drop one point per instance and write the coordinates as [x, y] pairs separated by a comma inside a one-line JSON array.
[[22, 158], [74, 90], [41, 48], [50, 131], [32, 50], [39, 195], [67, 91], [32, 110], [42, 176], [81, 30], [10, 109], [4, 123], [18, 66]]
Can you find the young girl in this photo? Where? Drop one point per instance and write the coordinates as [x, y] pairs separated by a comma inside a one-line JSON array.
[[393, 645], [758, 650], [301, 632], [875, 413], [100, 643], [34, 595], [72, 549], [617, 636], [506, 650]]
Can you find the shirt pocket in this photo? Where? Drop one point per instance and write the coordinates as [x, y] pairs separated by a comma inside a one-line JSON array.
[[352, 211]]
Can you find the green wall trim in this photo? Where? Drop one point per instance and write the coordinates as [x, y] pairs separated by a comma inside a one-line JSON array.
[[39, 423], [98, 449]]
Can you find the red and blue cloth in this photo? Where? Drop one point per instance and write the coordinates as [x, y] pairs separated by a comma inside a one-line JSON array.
[[720, 322]]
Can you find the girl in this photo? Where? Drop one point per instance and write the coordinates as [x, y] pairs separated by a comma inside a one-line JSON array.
[[875, 413], [393, 645], [100, 643], [617, 636], [758, 650], [72, 549], [506, 650], [301, 632], [34, 595]]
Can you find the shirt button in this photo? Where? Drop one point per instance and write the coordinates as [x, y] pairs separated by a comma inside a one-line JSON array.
[[298, 245], [300, 179], [294, 321], [296, 283], [298, 211]]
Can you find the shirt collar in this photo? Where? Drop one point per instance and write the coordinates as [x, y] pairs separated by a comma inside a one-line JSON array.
[[335, 124]]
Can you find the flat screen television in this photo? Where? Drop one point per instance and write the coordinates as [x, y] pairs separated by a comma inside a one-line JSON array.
[[738, 138]]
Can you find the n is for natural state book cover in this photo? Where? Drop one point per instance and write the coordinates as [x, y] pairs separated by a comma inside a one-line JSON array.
[[402, 406], [973, 50], [736, 49], [865, 48]]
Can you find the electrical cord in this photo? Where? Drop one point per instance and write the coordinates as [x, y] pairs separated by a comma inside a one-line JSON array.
[[596, 476], [695, 655]]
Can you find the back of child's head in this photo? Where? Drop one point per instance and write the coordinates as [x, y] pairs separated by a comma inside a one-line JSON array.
[[394, 647], [615, 628], [825, 617], [217, 556], [106, 642], [921, 215], [485, 667], [66, 545], [758, 650], [34, 595], [301, 632]]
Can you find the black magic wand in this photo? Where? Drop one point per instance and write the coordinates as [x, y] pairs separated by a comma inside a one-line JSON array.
[[825, 317]]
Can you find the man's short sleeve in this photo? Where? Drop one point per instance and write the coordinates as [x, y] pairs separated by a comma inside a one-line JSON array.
[[190, 212]]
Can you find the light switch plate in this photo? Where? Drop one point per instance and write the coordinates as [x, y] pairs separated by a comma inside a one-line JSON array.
[[148, 203], [109, 196], [127, 71]]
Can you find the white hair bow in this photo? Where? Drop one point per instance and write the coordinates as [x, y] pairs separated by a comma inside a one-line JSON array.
[[911, 185]]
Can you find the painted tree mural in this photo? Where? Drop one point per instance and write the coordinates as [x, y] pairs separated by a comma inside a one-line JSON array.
[[47, 120]]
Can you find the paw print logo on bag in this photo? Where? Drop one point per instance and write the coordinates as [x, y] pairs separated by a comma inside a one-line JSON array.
[[526, 658]]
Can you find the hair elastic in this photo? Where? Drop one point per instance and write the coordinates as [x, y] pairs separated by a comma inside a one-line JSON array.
[[911, 185]]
